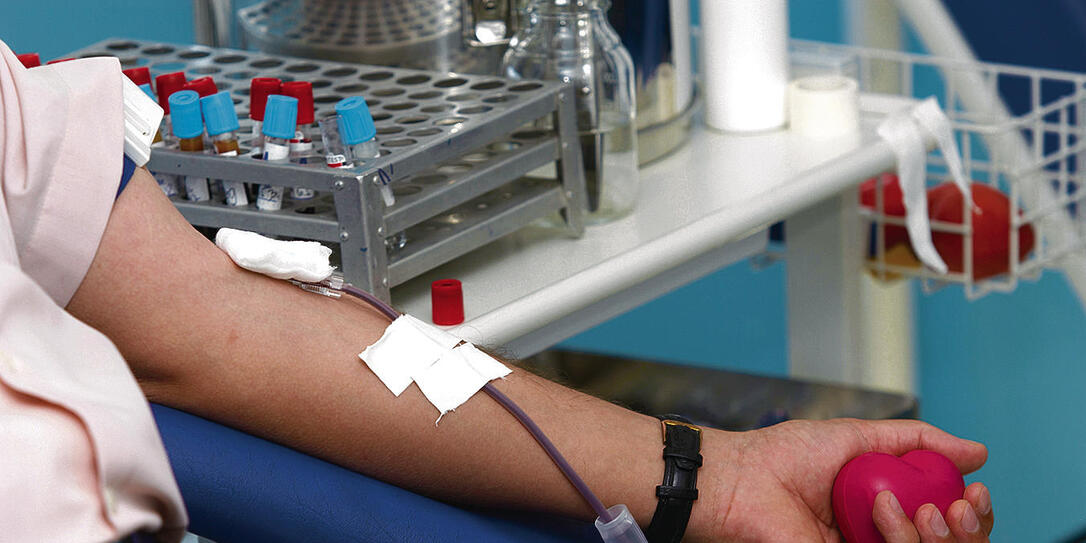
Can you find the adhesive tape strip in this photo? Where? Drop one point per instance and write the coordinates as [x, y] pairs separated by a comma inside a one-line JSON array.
[[824, 107]]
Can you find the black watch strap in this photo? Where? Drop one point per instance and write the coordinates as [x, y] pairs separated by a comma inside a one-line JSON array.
[[682, 458]]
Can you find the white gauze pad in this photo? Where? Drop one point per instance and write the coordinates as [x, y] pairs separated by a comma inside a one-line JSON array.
[[305, 261], [407, 347], [447, 374]]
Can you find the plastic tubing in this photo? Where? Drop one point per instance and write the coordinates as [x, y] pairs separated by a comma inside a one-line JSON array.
[[514, 410]]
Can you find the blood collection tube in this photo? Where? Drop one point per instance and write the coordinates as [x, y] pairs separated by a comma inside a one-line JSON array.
[[259, 90], [301, 146], [280, 115], [139, 76], [358, 133], [30, 60], [166, 85], [335, 151], [222, 127], [204, 86], [356, 127], [188, 127]]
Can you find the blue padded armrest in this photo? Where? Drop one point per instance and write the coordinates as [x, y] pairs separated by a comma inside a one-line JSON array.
[[240, 488]]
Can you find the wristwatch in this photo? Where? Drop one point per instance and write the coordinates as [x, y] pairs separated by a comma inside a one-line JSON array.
[[676, 495]]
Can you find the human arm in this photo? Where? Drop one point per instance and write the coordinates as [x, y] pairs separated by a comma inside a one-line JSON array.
[[258, 354]]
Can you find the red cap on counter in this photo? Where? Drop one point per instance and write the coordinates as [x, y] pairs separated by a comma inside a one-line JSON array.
[[259, 90], [59, 60], [139, 75], [303, 91], [30, 60], [204, 86], [447, 302], [167, 84]]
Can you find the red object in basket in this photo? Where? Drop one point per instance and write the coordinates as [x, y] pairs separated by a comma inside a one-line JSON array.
[[893, 205], [447, 302], [916, 477], [991, 229]]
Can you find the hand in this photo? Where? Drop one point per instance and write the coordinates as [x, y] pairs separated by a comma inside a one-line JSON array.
[[775, 484], [967, 521]]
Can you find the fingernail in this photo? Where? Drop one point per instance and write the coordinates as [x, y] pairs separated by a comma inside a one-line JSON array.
[[969, 520], [895, 506], [938, 525], [984, 504]]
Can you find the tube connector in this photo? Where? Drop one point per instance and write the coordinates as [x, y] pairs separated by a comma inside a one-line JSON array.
[[622, 528], [331, 286]]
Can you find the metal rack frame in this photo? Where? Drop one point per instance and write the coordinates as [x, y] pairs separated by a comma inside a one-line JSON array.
[[454, 150]]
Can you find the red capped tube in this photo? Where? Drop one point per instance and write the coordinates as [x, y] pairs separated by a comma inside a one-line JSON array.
[[447, 302], [139, 75], [167, 84], [204, 86], [30, 60], [259, 90], [303, 91]]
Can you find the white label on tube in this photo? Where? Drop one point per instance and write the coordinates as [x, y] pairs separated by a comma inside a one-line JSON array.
[[167, 182], [229, 153], [196, 189], [274, 152], [337, 161], [269, 198], [235, 193]]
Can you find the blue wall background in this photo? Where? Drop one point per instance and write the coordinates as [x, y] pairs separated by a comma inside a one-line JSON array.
[[1007, 370]]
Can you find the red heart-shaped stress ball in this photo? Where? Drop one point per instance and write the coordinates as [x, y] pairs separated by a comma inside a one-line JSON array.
[[915, 478]]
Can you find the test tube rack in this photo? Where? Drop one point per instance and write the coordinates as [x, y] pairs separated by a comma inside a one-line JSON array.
[[455, 150]]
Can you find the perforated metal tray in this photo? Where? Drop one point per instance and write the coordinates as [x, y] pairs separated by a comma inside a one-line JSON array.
[[454, 148]]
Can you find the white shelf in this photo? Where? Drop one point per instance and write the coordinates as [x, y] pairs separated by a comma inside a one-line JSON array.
[[703, 207]]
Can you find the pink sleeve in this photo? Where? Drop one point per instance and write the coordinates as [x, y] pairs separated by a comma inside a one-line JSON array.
[[61, 148]]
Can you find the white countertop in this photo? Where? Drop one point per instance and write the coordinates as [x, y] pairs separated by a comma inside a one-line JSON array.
[[703, 207]]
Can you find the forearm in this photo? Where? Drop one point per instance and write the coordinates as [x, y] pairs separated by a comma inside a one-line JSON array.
[[263, 356]]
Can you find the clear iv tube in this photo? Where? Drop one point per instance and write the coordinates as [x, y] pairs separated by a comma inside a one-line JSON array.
[[514, 410]]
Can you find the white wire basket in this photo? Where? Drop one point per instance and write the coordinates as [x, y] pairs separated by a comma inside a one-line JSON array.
[[1029, 148]]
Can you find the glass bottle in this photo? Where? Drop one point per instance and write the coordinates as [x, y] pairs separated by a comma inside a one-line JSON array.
[[572, 41]]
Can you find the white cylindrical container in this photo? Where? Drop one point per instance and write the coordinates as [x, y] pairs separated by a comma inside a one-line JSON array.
[[824, 107], [744, 52]]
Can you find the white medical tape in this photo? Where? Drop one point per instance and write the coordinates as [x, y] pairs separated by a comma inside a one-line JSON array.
[[935, 122], [903, 135], [457, 376], [305, 261], [407, 347], [448, 374]]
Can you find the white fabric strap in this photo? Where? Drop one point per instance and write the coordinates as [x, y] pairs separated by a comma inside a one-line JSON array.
[[932, 119], [903, 135], [904, 130]]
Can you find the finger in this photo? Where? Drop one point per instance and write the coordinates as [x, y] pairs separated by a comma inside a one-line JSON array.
[[981, 499], [901, 436], [891, 521], [931, 526], [964, 523]]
